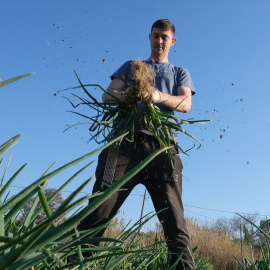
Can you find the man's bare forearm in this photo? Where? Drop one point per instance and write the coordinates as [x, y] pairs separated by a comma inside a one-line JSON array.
[[114, 89], [108, 96], [183, 103]]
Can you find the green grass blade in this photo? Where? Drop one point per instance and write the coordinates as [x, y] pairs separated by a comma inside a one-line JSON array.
[[79, 251], [59, 190], [3, 83], [44, 203], [32, 209], [53, 256], [13, 212], [68, 181], [4, 208], [3, 177], [117, 262], [9, 144], [27, 261], [73, 195], [41, 225], [47, 170], [6, 186], [9, 258], [2, 224], [258, 228], [50, 235]]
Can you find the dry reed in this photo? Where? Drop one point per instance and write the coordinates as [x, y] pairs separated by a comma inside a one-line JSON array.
[[218, 246]]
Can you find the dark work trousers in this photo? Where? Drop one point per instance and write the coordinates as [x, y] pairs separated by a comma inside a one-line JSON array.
[[162, 183]]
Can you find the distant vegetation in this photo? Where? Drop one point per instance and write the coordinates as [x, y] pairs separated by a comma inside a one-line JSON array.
[[218, 243]]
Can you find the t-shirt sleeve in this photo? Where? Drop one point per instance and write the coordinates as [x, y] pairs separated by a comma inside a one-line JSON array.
[[185, 80], [122, 72]]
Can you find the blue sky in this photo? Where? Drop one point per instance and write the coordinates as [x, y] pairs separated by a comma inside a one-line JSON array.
[[223, 44]]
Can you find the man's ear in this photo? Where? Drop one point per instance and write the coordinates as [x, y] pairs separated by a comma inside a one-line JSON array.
[[173, 41]]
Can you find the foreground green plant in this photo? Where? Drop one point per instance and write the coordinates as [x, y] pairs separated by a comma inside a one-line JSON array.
[[44, 245]]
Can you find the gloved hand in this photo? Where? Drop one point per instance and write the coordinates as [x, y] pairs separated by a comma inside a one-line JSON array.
[[129, 95], [156, 96], [149, 95]]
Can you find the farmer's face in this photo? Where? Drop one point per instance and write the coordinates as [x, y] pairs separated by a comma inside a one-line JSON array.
[[161, 41]]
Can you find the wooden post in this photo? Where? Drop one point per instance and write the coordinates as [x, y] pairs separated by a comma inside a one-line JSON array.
[[143, 206], [242, 248]]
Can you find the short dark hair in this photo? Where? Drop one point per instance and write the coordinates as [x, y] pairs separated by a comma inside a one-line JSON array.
[[164, 24]]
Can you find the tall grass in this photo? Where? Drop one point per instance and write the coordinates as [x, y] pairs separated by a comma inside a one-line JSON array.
[[44, 245], [214, 248], [217, 246]]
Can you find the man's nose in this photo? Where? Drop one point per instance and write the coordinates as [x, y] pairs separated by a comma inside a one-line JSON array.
[[159, 39]]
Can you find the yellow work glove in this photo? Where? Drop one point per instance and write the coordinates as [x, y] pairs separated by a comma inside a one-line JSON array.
[[156, 96], [147, 96]]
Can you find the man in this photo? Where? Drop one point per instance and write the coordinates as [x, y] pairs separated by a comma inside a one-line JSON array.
[[164, 184]]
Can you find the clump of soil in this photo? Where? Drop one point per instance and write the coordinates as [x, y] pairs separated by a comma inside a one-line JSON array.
[[144, 81]]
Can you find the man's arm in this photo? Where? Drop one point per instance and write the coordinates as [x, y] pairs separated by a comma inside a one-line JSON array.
[[114, 88], [183, 93]]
